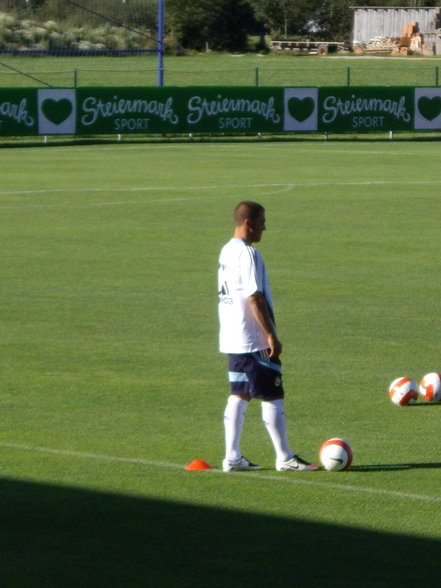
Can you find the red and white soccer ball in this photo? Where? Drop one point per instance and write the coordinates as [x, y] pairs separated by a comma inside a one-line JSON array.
[[403, 391], [335, 455], [430, 387]]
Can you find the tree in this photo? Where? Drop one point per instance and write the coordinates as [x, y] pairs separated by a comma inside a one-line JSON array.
[[284, 18], [221, 25], [333, 20], [230, 25]]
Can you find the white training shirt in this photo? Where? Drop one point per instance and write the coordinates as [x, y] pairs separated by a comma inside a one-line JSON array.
[[241, 273]]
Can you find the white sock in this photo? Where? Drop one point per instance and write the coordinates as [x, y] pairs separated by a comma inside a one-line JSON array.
[[234, 417], [273, 416]]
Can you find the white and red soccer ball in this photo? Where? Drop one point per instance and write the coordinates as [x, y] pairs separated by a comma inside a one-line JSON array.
[[335, 455], [430, 387], [403, 391]]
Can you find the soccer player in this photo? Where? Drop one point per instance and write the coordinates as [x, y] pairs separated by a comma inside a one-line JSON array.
[[249, 338]]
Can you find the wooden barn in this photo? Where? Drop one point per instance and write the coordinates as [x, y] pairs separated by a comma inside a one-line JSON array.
[[397, 29]]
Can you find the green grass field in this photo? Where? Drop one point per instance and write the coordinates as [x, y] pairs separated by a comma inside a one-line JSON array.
[[112, 383], [207, 69]]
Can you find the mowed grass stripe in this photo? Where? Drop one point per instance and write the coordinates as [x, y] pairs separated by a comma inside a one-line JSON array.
[[288, 479]]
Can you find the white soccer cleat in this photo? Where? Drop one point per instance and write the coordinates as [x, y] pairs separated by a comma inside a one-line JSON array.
[[295, 464], [240, 465]]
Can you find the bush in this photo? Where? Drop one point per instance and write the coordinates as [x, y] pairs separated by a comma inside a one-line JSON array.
[[51, 26], [50, 34], [6, 20]]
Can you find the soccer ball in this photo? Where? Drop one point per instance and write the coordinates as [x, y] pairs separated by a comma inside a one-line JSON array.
[[403, 391], [430, 387], [335, 455]]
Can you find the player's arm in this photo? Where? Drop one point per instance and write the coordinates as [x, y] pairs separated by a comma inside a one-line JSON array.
[[259, 308]]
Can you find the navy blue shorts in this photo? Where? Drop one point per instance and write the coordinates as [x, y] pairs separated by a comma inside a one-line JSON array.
[[256, 375]]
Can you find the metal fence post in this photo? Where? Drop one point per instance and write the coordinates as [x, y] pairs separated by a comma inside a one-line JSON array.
[[348, 76], [437, 75], [160, 44], [256, 76]]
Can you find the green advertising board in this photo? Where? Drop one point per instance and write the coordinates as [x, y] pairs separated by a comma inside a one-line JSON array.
[[18, 112], [229, 110], [366, 109], [179, 110]]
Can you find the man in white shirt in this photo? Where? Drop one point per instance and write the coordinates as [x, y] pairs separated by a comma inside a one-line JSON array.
[[249, 337]]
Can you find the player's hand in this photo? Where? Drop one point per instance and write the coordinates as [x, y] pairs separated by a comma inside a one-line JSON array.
[[275, 347]]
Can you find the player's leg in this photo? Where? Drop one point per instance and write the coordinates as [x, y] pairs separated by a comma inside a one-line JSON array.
[[268, 386], [273, 416], [234, 415]]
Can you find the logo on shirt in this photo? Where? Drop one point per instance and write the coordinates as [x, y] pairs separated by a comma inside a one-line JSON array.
[[224, 296]]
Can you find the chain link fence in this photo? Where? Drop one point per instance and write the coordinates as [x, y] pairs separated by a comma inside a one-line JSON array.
[[142, 71]]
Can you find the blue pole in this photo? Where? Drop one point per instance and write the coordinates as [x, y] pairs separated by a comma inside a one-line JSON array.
[[160, 43]]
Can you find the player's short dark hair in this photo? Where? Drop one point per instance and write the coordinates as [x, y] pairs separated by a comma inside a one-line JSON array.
[[247, 209]]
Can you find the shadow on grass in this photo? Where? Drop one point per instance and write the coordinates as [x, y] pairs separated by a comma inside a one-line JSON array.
[[63, 537], [164, 139], [394, 466]]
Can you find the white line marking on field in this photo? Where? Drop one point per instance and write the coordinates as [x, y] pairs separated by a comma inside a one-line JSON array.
[[219, 187], [142, 189], [287, 479], [349, 488], [96, 456], [282, 187]]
